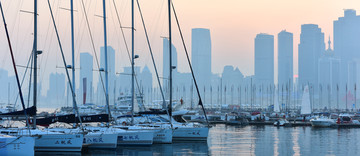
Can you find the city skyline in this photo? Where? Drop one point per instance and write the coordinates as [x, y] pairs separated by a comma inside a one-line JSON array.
[[50, 64], [243, 29]]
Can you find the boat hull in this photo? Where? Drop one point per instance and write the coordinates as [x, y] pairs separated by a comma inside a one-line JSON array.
[[316, 123], [17, 146], [280, 123], [190, 133], [59, 142], [100, 140], [135, 138], [163, 136]]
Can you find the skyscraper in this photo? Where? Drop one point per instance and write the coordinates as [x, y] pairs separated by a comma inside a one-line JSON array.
[[285, 58], [310, 47], [264, 59], [201, 56], [86, 77], [56, 92], [145, 78], [346, 42]]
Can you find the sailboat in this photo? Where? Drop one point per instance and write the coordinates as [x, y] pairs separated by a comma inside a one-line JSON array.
[[305, 102], [124, 137], [91, 139], [276, 103], [162, 132], [183, 131]]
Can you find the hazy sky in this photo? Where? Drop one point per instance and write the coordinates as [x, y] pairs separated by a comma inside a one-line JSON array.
[[233, 25]]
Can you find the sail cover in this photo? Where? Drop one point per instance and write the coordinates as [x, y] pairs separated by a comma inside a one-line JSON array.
[[52, 119], [70, 118], [31, 111]]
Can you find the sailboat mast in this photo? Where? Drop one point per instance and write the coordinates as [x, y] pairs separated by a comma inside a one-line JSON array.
[[170, 61], [72, 49], [35, 60], [106, 63], [132, 63]]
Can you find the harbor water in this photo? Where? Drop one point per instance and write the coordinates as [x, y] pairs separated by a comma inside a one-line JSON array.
[[251, 140]]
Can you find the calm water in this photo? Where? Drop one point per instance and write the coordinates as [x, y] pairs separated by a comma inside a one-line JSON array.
[[254, 140]]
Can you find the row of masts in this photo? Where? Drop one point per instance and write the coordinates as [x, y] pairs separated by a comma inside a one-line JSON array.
[[36, 52], [258, 95]]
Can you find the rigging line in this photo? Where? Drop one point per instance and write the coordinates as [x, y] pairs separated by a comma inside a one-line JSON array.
[[122, 31], [14, 66], [63, 58], [80, 34], [18, 26], [22, 81], [155, 26], [151, 53], [93, 46], [44, 63], [30, 80], [190, 66], [127, 48]]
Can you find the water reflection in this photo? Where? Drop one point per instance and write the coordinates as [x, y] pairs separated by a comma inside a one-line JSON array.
[[269, 140], [177, 148], [251, 140]]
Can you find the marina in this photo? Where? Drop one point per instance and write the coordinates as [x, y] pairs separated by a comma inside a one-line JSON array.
[[88, 78]]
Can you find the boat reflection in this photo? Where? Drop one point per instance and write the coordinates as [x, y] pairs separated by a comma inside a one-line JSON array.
[[176, 148]]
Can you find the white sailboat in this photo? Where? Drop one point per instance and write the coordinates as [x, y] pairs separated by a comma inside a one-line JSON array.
[[183, 131], [276, 104], [305, 102]]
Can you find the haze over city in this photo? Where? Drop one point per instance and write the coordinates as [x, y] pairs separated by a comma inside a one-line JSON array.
[[233, 26]]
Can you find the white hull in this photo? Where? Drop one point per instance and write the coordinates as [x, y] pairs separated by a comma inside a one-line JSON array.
[[100, 140], [136, 138], [128, 137], [92, 139], [59, 142], [322, 123], [163, 136], [16, 146], [280, 122], [181, 131], [50, 141], [190, 133]]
